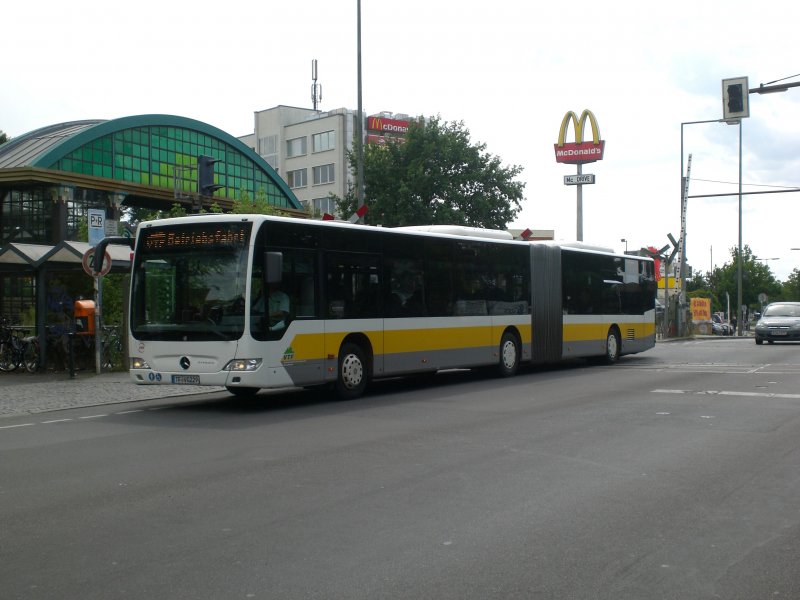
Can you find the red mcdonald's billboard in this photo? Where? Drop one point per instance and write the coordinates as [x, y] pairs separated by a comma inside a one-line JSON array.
[[579, 152], [384, 125]]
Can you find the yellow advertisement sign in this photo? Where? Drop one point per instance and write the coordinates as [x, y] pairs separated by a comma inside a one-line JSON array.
[[701, 309]]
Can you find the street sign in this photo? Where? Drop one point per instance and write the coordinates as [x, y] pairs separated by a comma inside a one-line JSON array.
[[578, 179], [97, 220], [87, 263]]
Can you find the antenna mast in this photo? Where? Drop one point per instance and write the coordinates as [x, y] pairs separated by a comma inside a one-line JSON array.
[[316, 88]]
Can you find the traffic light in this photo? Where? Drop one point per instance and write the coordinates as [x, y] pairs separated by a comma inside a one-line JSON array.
[[735, 95], [735, 99], [205, 176]]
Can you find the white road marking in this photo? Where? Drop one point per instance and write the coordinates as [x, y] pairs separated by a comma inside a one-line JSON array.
[[724, 393], [20, 425]]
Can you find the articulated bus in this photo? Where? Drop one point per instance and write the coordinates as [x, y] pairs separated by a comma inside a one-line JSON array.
[[254, 301]]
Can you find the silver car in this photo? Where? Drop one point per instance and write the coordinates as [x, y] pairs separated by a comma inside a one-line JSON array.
[[779, 322]]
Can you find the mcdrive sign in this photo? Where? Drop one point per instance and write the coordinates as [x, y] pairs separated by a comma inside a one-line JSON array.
[[579, 152]]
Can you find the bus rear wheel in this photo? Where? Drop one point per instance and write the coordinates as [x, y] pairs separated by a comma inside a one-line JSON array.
[[351, 380], [509, 355], [613, 346]]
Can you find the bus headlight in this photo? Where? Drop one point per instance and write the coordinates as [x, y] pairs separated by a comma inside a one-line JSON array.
[[139, 363], [243, 364]]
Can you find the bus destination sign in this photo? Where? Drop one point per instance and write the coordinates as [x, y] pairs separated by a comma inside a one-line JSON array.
[[203, 237]]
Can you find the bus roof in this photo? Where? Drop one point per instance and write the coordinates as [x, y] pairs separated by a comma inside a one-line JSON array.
[[434, 230]]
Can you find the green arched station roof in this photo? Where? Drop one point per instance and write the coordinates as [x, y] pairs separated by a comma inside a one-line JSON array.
[[150, 151]]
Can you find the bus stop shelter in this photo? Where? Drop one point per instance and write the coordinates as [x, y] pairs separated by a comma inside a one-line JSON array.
[[39, 262]]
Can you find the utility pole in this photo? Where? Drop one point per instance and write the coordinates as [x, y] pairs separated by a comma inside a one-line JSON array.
[[359, 118]]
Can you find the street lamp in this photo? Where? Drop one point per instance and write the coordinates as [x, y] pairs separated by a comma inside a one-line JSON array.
[[626, 244], [360, 118]]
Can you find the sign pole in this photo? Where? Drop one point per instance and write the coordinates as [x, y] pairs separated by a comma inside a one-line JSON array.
[[98, 302], [580, 203]]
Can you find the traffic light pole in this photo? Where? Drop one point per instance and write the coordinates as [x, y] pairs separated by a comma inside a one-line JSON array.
[[739, 310]]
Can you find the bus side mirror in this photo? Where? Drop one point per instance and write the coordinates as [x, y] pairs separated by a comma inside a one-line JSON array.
[[274, 264]]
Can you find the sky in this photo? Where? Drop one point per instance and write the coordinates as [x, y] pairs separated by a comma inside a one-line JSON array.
[[509, 70]]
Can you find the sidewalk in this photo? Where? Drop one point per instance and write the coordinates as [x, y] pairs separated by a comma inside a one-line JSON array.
[[25, 393]]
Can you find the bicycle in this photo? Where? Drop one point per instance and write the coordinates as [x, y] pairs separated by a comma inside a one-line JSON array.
[[17, 351]]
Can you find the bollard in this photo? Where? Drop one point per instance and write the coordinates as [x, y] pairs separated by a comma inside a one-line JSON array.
[[71, 353]]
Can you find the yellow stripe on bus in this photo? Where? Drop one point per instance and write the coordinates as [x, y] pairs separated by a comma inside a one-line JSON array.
[[308, 346], [598, 331]]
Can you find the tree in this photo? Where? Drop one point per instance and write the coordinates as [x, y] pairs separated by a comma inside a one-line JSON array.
[[259, 205], [791, 287], [436, 176], [757, 278], [3, 137], [697, 283], [699, 287]]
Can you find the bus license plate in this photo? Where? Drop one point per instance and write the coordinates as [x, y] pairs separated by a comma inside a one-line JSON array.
[[186, 379]]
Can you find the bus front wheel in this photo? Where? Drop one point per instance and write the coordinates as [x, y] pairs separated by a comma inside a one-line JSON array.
[[613, 346], [509, 355], [352, 377]]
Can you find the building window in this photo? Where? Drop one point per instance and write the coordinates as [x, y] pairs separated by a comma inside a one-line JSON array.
[[320, 206], [323, 141], [296, 147], [298, 178], [324, 174], [268, 149], [25, 216]]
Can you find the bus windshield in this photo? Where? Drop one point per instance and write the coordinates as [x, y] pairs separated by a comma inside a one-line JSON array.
[[189, 282]]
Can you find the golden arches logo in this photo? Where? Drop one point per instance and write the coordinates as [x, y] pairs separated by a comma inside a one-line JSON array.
[[376, 124], [579, 151], [579, 126]]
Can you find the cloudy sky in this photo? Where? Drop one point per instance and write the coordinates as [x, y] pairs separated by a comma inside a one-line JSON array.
[[508, 69]]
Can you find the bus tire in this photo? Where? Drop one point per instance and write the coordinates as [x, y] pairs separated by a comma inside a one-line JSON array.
[[352, 375], [509, 355], [613, 346], [242, 392]]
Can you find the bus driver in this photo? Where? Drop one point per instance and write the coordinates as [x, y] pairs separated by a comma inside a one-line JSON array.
[[278, 303]]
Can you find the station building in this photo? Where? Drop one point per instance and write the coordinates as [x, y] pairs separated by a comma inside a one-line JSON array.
[[51, 177]]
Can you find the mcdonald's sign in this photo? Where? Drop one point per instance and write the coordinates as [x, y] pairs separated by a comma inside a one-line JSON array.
[[579, 151], [384, 125]]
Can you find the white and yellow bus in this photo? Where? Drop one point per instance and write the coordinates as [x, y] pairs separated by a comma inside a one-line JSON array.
[[351, 303]]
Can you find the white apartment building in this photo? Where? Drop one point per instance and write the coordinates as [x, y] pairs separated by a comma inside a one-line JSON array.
[[308, 148]]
